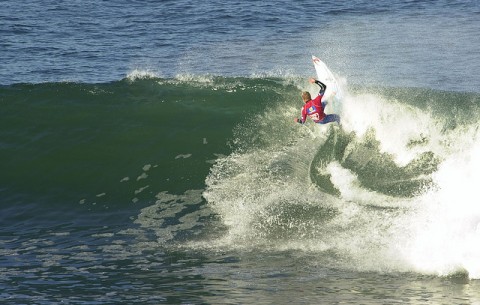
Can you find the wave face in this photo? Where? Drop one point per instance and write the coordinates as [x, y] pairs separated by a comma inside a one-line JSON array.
[[85, 138], [218, 163]]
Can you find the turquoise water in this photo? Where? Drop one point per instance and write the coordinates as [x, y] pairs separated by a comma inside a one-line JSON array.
[[149, 154]]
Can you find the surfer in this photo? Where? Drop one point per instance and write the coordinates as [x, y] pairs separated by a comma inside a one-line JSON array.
[[314, 108]]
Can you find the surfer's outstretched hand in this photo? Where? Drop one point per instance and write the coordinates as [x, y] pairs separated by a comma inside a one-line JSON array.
[[312, 80]]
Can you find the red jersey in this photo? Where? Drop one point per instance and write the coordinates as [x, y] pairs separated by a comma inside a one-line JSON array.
[[313, 109]]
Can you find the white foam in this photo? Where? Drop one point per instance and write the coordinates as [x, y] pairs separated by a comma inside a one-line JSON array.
[[395, 125], [202, 79], [351, 190], [439, 232], [141, 74], [446, 227], [183, 156]]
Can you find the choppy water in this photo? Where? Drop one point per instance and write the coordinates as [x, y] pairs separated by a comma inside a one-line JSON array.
[[149, 153]]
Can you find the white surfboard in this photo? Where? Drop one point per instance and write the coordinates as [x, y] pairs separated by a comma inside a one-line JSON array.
[[333, 94]]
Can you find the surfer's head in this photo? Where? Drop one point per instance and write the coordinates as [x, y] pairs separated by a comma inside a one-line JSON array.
[[306, 96]]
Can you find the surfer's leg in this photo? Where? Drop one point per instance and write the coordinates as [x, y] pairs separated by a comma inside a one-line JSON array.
[[329, 118], [324, 104]]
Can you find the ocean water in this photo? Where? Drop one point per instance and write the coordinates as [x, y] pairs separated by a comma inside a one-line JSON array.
[[149, 154]]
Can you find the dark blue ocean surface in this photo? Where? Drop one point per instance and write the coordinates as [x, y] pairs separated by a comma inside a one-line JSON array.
[[149, 154], [396, 43]]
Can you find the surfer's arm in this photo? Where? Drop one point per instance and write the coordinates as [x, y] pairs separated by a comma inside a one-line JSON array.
[[303, 118], [299, 120], [322, 86]]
